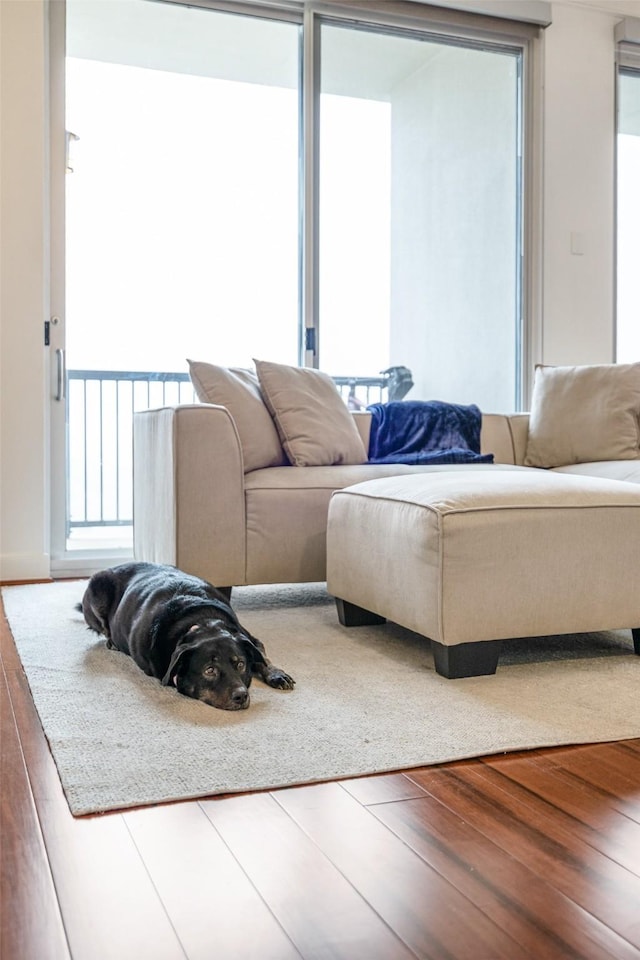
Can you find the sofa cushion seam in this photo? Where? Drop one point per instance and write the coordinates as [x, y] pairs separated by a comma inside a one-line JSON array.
[[490, 507]]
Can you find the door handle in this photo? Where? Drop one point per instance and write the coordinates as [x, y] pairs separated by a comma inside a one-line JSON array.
[[61, 374]]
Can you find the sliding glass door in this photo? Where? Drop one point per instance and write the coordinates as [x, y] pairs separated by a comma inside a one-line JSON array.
[[420, 207], [287, 183], [182, 226]]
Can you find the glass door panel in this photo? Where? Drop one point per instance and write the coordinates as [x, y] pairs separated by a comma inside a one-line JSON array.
[[419, 213], [182, 222], [628, 239]]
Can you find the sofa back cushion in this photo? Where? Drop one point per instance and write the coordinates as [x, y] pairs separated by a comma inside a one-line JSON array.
[[584, 414], [238, 390], [313, 422]]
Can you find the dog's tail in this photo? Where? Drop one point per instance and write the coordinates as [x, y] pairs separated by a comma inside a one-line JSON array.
[[78, 607]]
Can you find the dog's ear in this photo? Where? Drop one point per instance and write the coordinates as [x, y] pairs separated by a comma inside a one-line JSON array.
[[188, 644], [177, 655], [253, 653]]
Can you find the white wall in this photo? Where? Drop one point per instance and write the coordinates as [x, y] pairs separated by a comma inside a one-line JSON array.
[[577, 295], [579, 124]]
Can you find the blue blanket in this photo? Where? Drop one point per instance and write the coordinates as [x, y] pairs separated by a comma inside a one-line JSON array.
[[429, 431]]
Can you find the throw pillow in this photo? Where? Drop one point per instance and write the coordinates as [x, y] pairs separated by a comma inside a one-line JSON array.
[[584, 414], [238, 390], [313, 422]]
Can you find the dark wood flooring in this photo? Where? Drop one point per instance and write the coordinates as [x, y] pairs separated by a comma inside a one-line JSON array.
[[527, 855]]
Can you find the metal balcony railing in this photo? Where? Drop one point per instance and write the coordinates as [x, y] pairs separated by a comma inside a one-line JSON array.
[[100, 409]]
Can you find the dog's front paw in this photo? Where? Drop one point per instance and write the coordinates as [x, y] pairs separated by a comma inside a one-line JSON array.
[[277, 678]]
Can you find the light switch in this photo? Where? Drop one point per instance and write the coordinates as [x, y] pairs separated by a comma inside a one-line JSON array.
[[577, 243]]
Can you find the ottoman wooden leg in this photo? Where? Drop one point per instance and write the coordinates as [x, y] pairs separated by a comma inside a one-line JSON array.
[[351, 615], [466, 659], [635, 633]]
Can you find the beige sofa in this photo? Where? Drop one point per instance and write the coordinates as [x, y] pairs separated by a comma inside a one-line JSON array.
[[198, 507]]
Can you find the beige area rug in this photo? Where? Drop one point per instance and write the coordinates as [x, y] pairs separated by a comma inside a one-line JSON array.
[[367, 700]]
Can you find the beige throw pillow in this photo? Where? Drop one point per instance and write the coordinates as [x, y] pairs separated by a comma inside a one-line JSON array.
[[238, 390], [315, 427], [584, 414]]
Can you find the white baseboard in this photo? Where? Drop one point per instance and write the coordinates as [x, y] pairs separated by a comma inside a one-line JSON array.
[[24, 566], [84, 564]]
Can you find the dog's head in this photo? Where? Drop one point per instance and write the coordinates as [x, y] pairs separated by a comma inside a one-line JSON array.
[[213, 663]]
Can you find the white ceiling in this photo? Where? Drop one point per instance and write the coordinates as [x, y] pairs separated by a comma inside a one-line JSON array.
[[621, 8]]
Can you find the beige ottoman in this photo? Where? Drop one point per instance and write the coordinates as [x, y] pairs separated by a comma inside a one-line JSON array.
[[474, 556]]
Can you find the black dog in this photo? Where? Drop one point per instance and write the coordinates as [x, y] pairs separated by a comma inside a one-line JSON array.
[[179, 629]]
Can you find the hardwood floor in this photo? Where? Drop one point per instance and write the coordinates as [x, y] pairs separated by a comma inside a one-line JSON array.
[[532, 855]]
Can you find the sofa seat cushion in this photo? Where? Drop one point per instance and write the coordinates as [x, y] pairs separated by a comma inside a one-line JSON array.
[[287, 507], [628, 470], [337, 477]]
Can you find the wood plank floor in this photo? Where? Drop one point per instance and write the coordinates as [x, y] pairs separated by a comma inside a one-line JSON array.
[[530, 855]]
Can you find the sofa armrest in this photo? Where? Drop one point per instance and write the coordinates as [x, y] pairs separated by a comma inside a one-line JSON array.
[[188, 491]]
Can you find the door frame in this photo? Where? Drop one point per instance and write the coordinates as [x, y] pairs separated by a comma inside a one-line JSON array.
[[63, 562]]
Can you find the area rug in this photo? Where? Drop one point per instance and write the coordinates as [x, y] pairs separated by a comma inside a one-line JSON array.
[[367, 700]]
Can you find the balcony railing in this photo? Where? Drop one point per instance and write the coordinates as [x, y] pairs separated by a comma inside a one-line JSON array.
[[101, 404]]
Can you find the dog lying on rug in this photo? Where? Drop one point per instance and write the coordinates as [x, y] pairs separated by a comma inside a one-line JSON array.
[[181, 630]]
